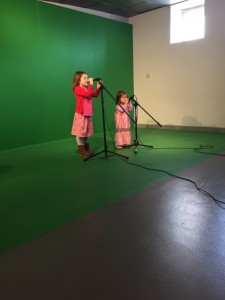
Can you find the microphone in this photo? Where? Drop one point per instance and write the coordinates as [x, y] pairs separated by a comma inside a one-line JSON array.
[[97, 79], [131, 97]]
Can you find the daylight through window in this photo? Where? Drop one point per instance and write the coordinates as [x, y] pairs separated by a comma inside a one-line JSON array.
[[187, 21]]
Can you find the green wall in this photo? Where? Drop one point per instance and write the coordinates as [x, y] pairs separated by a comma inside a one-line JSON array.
[[42, 45]]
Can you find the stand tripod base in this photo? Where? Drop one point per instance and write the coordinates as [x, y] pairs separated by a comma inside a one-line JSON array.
[[106, 154], [136, 144]]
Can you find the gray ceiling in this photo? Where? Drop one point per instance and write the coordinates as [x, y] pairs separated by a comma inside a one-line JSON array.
[[124, 8]]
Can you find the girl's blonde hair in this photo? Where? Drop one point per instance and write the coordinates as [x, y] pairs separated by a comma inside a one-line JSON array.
[[77, 77]]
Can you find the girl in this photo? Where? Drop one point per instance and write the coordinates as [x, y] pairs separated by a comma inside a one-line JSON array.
[[82, 123], [122, 120]]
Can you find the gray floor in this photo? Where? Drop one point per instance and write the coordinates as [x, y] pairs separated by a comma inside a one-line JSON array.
[[164, 242]]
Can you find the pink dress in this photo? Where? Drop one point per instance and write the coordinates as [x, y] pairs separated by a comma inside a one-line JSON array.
[[122, 124], [82, 125]]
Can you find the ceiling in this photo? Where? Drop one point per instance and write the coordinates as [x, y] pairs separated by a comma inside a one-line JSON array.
[[124, 8]]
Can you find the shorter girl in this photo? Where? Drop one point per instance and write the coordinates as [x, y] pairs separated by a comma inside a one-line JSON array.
[[122, 120], [82, 122]]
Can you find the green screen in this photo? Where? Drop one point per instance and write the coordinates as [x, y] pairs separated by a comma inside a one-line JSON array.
[[42, 46]]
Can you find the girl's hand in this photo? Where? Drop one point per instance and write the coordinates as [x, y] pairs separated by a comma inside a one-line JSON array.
[[99, 84], [91, 81]]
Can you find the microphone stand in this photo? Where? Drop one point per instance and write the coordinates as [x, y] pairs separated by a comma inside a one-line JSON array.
[[136, 104], [105, 151]]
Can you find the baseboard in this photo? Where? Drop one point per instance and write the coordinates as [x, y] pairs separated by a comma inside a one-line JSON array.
[[185, 128]]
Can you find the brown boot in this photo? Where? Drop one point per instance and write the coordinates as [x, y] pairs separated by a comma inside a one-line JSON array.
[[88, 149], [82, 151]]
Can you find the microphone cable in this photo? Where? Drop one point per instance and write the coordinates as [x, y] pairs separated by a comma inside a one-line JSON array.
[[218, 202]]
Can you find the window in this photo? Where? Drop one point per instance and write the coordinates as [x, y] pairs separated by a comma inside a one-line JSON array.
[[187, 21]]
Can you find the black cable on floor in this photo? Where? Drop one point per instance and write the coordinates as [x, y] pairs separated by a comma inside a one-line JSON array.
[[201, 147], [207, 147], [198, 149], [218, 202]]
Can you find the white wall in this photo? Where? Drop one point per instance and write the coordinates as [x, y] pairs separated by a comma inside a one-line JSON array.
[[187, 80]]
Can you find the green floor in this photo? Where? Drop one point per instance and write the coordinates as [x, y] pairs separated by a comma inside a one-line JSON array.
[[47, 185]]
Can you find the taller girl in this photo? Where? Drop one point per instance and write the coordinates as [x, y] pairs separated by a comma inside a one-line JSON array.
[[82, 123]]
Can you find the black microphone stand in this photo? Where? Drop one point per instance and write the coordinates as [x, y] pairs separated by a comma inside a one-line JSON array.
[[136, 104], [105, 151]]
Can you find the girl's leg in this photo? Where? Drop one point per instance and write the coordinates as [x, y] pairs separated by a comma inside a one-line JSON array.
[[79, 140], [81, 147], [87, 147]]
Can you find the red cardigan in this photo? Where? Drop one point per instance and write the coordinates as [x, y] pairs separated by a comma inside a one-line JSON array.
[[81, 93]]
